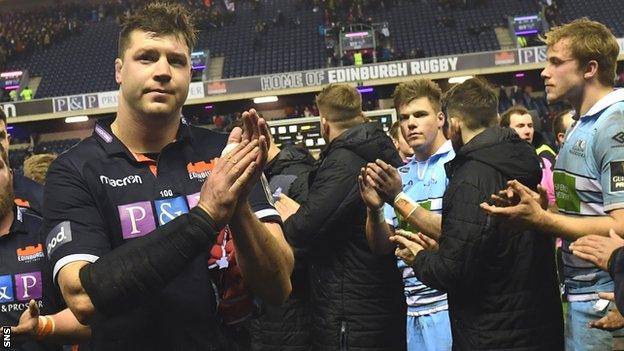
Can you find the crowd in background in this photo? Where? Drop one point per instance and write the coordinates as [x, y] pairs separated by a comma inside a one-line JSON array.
[[428, 235], [26, 30]]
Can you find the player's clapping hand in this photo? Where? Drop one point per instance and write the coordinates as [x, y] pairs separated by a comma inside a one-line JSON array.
[[369, 195], [229, 180], [385, 179]]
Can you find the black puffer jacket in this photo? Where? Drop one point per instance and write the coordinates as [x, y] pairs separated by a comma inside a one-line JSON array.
[[356, 296], [500, 279], [287, 327], [295, 162]]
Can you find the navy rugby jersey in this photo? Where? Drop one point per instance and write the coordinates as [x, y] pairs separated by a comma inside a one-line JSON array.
[[24, 275], [99, 195]]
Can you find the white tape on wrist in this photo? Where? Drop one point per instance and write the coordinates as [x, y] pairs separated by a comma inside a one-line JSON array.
[[228, 148], [404, 197], [416, 205]]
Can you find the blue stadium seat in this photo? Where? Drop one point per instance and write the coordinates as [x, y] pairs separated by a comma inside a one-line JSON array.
[[84, 62]]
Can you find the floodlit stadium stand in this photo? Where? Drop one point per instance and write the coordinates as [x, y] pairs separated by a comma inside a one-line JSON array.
[[83, 63]]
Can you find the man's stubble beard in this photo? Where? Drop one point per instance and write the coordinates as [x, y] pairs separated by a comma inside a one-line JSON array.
[[7, 197]]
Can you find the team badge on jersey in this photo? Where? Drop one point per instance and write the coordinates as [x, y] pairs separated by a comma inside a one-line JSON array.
[[617, 175], [30, 253]]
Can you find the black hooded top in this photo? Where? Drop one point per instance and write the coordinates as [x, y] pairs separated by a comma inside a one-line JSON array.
[[357, 300], [500, 278]]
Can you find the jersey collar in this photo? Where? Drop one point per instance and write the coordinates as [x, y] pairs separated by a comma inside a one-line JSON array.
[[444, 149], [18, 226], [616, 95], [112, 145]]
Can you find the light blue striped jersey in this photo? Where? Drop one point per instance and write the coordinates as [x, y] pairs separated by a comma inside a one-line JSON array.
[[589, 181], [425, 183]]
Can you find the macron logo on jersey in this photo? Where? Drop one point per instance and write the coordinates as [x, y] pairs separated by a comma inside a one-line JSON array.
[[131, 179], [21, 287]]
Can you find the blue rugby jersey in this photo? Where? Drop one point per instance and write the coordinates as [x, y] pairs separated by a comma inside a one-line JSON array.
[[425, 183], [589, 181]]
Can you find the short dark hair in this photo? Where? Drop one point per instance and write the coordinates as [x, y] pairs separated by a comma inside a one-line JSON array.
[[405, 92], [3, 117], [474, 101], [513, 110], [557, 123], [161, 19]]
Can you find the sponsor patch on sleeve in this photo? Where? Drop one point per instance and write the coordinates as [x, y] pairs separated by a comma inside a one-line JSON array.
[[58, 236], [617, 176]]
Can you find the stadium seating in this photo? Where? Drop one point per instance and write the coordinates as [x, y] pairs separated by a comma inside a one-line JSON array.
[[84, 63], [55, 146], [17, 157], [606, 12], [417, 24]]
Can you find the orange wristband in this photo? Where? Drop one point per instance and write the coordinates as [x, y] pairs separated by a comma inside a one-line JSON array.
[[402, 200], [45, 327]]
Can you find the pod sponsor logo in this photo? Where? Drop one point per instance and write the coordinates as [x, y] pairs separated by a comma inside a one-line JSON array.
[[58, 236]]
